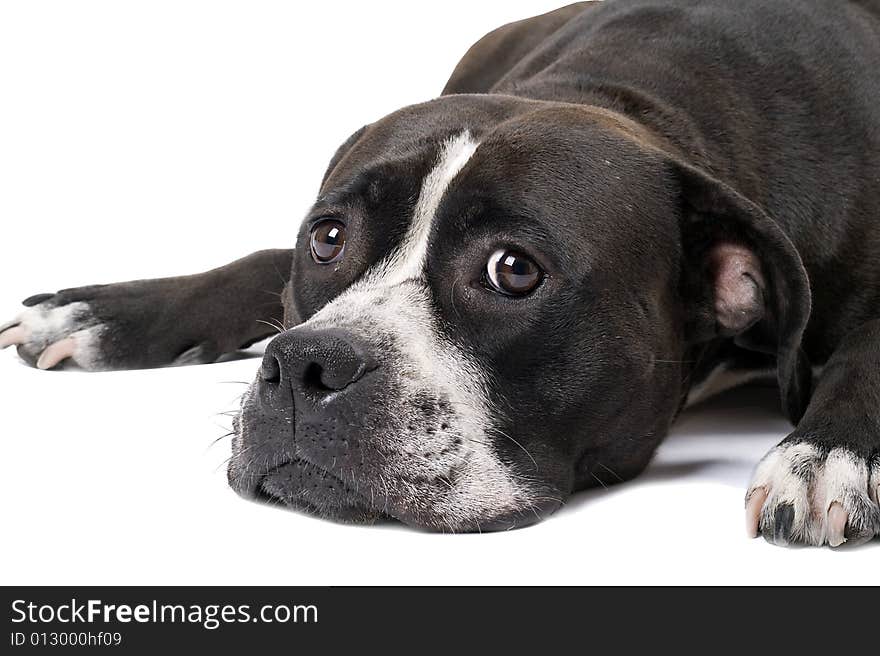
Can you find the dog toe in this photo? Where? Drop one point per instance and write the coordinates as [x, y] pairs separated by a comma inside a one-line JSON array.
[[57, 352], [803, 494], [754, 505], [837, 521], [48, 333], [13, 335]]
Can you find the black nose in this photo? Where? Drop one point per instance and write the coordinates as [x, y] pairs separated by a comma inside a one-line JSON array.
[[315, 362]]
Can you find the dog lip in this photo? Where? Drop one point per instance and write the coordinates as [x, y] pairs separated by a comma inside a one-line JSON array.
[[261, 492], [355, 507], [518, 519], [376, 509]]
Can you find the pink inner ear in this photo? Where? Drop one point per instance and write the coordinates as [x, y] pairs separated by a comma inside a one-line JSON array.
[[739, 285]]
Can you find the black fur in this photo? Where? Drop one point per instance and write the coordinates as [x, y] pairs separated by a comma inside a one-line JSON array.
[[620, 143]]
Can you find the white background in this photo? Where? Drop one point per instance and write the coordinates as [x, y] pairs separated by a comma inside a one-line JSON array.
[[161, 138]]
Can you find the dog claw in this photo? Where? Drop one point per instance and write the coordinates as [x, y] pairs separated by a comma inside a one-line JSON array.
[[837, 518], [754, 505], [57, 352], [14, 335]]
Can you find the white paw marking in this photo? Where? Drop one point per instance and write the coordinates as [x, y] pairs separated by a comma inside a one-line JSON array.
[[51, 334], [826, 498]]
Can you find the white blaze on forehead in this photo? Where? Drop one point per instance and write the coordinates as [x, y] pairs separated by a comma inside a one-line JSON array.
[[393, 299], [409, 260]]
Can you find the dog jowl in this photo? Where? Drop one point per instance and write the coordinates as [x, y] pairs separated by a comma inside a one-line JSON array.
[[508, 294]]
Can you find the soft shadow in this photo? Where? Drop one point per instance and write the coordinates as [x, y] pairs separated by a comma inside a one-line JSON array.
[[677, 470], [719, 441], [249, 354], [69, 366]]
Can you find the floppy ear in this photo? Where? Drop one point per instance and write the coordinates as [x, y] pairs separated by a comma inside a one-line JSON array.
[[747, 280], [341, 152]]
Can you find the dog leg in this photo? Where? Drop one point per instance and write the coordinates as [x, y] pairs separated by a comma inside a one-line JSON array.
[[821, 485], [154, 323]]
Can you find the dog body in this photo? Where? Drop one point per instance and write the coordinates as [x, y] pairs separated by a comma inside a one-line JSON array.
[[507, 294]]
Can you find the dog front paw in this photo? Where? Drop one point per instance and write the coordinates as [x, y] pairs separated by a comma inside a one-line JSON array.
[[136, 325], [806, 493], [51, 330]]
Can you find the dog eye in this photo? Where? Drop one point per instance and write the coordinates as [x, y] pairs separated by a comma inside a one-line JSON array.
[[512, 273], [328, 241]]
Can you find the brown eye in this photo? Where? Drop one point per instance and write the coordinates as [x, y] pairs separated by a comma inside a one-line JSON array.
[[328, 241], [512, 273]]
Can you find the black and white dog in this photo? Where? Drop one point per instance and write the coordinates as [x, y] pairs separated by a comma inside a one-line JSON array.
[[507, 294]]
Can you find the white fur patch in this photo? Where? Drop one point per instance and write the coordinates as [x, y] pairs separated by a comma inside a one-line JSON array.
[[798, 475], [44, 325], [409, 260]]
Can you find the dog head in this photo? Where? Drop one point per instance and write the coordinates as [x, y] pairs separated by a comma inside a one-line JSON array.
[[493, 304]]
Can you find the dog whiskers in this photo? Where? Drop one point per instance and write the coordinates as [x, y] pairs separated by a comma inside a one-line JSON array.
[[277, 326], [611, 471], [221, 438], [502, 433], [599, 480]]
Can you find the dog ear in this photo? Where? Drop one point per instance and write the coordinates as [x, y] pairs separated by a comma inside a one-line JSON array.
[[341, 152], [747, 280]]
